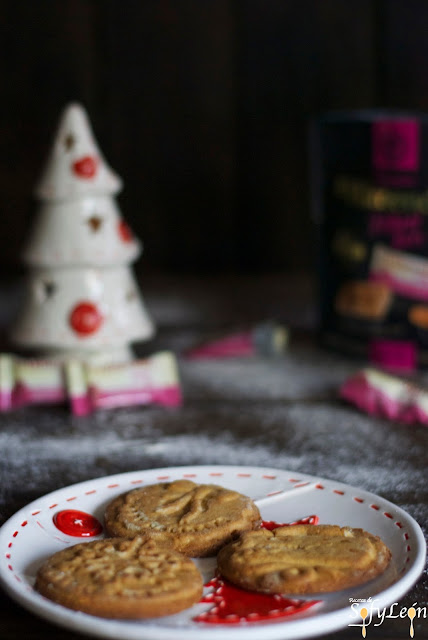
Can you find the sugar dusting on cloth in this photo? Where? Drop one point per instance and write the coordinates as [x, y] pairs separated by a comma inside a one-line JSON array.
[[295, 429], [284, 414]]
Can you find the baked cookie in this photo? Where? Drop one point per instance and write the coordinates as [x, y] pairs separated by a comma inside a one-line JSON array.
[[301, 559], [117, 578], [195, 519]]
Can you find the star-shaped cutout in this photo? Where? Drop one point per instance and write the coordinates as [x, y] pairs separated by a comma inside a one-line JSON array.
[[131, 295], [95, 223], [49, 288], [69, 141]]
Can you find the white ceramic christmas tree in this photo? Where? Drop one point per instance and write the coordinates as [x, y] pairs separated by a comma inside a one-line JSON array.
[[81, 297]]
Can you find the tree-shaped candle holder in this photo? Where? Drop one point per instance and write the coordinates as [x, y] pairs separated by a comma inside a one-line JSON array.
[[81, 298]]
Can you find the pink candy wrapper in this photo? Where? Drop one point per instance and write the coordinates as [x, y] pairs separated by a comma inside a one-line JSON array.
[[86, 387], [267, 339], [386, 396]]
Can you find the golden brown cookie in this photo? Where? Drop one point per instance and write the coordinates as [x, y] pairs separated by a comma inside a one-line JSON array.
[[302, 559], [196, 519], [117, 578]]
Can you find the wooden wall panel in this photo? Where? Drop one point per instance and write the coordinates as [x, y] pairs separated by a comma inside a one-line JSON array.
[[47, 58], [202, 107], [403, 53], [172, 110], [297, 58]]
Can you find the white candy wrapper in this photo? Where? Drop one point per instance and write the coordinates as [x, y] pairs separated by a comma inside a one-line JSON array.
[[25, 382], [86, 387], [380, 394]]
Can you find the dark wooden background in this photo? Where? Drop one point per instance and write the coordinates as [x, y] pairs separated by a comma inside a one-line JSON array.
[[202, 107]]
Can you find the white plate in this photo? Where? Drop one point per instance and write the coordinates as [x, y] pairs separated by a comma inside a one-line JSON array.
[[30, 536]]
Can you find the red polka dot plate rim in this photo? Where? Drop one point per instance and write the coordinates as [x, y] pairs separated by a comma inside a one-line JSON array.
[[75, 514]]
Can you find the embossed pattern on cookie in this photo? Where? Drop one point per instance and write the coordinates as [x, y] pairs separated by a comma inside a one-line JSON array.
[[117, 578], [303, 559], [196, 519]]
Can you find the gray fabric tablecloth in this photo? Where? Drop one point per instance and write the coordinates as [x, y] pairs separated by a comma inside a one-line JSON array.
[[282, 413]]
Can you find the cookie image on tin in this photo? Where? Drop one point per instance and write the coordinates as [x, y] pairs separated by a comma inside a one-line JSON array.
[[363, 299], [117, 578], [418, 320], [303, 559], [195, 519]]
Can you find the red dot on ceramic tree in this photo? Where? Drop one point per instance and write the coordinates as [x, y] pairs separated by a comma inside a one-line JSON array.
[[125, 232], [85, 318], [85, 167]]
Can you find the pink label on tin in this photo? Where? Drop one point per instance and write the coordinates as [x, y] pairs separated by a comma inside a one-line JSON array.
[[393, 354], [395, 145], [404, 273]]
